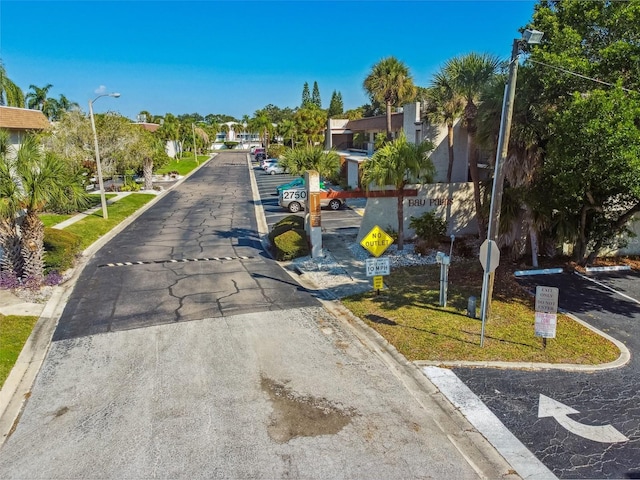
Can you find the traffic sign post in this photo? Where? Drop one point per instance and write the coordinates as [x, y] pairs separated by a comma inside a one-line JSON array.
[[489, 259], [378, 284], [377, 266], [376, 242], [546, 313]]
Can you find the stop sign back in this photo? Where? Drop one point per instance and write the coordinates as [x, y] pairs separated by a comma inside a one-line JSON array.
[[489, 255]]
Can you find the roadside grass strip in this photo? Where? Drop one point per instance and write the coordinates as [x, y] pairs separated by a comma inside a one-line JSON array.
[[182, 260]]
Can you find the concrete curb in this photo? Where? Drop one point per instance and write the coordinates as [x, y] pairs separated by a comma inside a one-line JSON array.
[[16, 389]]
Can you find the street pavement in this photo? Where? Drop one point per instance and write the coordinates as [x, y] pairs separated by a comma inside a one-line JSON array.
[[184, 351], [594, 429]]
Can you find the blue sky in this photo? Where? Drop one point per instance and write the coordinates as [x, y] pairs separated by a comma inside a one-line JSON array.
[[235, 57]]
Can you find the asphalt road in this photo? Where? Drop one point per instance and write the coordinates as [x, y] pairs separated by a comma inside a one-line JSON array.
[[206, 360], [583, 442]]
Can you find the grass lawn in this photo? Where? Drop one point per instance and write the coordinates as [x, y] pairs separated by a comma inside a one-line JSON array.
[[51, 219], [94, 226], [408, 315], [183, 166], [14, 331]]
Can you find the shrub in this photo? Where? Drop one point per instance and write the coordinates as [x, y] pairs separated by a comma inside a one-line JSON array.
[[429, 228], [289, 222], [276, 150], [230, 144], [291, 244], [60, 249], [130, 187], [8, 281]]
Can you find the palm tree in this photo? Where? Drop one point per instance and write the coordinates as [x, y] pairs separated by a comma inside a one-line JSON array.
[[223, 127], [310, 123], [399, 163], [262, 126], [10, 94], [523, 162], [469, 75], [29, 180], [38, 97], [444, 105], [390, 83], [238, 128], [287, 128], [299, 160]]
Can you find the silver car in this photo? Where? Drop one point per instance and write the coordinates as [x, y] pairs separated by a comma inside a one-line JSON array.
[[293, 199]]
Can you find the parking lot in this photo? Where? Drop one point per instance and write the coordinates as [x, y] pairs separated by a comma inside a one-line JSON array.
[[343, 219]]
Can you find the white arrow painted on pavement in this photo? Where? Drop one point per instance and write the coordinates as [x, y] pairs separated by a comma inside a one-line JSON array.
[[548, 407]]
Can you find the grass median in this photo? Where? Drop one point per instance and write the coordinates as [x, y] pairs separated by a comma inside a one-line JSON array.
[[408, 315]]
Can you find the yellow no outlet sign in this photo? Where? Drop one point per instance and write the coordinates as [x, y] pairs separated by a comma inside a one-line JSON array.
[[376, 241]]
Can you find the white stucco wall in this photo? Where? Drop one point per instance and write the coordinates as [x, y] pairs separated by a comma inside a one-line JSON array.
[[417, 131], [453, 202], [633, 246]]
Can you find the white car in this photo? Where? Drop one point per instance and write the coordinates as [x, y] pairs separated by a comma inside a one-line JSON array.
[[266, 162], [274, 168]]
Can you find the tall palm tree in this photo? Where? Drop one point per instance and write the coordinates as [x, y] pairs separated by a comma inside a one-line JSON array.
[[238, 128], [399, 163], [469, 75], [38, 97], [223, 127], [10, 94], [444, 105], [262, 126], [310, 123], [390, 83], [29, 180], [523, 161], [287, 128]]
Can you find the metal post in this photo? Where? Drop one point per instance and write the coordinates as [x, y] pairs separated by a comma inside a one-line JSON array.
[[498, 178], [103, 199]]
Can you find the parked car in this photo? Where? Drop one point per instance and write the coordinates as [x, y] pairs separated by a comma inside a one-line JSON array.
[[294, 199], [259, 154], [265, 162], [295, 183], [274, 168]]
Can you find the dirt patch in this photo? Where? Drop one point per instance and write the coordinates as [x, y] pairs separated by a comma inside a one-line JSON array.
[[301, 416]]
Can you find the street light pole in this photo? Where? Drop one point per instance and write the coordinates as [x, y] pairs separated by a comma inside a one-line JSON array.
[[531, 37], [103, 199]]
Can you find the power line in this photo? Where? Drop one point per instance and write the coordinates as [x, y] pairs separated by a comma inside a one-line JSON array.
[[581, 76]]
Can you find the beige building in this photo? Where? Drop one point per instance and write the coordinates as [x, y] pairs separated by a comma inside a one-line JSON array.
[[20, 121]]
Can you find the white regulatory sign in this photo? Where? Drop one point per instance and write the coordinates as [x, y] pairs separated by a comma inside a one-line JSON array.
[[377, 266]]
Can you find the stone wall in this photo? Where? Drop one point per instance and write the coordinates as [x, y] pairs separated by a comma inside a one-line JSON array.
[[452, 202]]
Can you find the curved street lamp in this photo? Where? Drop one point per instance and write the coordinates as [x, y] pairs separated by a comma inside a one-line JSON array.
[[103, 199]]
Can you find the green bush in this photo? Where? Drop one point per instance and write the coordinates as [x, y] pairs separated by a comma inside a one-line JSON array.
[[230, 144], [60, 249], [130, 187], [291, 244], [276, 150], [429, 228], [289, 222]]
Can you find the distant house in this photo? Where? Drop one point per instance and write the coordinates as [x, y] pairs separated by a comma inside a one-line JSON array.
[[21, 121], [151, 127]]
